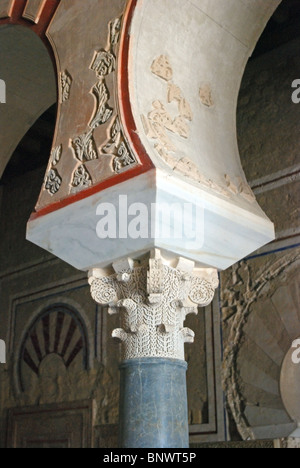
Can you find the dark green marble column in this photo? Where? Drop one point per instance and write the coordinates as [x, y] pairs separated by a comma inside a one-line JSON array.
[[153, 404]]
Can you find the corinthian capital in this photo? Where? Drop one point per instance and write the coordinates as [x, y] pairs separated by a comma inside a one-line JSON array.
[[154, 296]]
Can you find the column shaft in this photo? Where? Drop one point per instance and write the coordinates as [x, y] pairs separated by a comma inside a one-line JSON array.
[[153, 404]]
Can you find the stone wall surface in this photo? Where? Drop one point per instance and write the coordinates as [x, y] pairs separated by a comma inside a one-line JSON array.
[[32, 281], [260, 295]]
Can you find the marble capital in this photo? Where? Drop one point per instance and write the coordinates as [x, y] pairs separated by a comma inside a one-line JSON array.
[[154, 295]]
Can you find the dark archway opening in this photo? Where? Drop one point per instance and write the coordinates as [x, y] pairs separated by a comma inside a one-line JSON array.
[[34, 149]]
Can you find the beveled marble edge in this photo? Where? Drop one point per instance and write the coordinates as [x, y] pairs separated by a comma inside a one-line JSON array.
[[230, 232]]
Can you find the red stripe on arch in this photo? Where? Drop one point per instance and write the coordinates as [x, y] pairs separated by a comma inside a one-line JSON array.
[[41, 27]]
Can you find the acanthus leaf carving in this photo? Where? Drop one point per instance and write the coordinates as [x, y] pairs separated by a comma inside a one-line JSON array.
[[153, 302], [120, 334], [187, 335], [103, 112], [155, 280], [115, 137]]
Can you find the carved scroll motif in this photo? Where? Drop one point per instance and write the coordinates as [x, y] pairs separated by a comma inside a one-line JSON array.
[[103, 112], [114, 31], [56, 155], [160, 124], [81, 179], [53, 180], [84, 146], [104, 63], [124, 159]]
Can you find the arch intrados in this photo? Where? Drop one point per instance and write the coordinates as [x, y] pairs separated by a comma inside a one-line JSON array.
[[15, 18]]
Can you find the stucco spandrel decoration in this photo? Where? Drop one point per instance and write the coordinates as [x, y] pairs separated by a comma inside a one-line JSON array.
[[88, 100], [115, 148], [154, 299], [104, 64], [161, 123]]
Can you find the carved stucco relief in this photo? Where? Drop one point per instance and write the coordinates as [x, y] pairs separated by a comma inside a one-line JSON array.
[[81, 180], [91, 159], [84, 146], [206, 95], [159, 124], [65, 86], [53, 179], [56, 155]]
